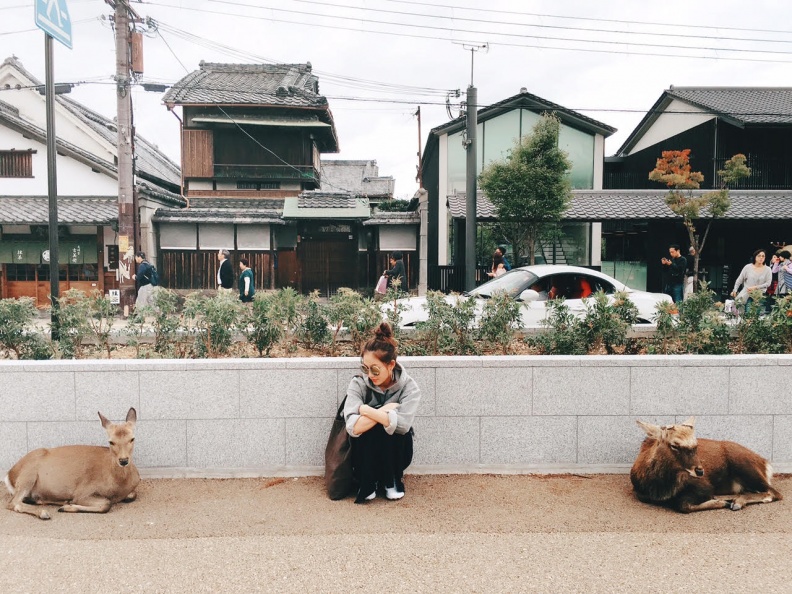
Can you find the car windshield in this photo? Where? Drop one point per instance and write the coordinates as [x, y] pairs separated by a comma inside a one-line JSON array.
[[513, 282]]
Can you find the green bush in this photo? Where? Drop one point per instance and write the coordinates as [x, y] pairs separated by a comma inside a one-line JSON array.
[[74, 312], [607, 322], [17, 332], [167, 324], [213, 321], [313, 329], [500, 320], [565, 334], [449, 328], [262, 328]]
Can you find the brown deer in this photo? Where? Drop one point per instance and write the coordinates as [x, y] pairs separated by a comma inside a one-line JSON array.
[[676, 470], [79, 478]]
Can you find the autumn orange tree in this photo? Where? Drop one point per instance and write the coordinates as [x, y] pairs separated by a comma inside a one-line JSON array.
[[673, 169]]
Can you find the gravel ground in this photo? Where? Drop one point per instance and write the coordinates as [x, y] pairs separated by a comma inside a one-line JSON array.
[[451, 533]]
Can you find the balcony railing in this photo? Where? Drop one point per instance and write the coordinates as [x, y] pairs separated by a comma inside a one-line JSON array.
[[266, 172], [766, 174]]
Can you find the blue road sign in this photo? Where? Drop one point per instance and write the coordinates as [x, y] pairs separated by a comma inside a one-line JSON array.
[[52, 16]]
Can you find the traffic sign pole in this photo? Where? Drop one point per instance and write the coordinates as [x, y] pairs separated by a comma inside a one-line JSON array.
[[52, 189]]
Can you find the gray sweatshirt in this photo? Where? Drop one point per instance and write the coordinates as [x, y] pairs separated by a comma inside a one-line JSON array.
[[405, 391], [751, 277]]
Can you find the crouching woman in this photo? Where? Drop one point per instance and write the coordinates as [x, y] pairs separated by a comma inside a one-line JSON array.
[[379, 412]]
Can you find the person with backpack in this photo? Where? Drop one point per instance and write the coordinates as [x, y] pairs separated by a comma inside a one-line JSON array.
[[146, 278]]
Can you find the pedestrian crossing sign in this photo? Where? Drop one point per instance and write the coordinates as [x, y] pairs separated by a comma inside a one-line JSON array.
[[52, 16]]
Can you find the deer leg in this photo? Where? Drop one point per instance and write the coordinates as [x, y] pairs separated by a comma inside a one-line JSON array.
[[95, 505], [687, 507], [744, 499], [130, 498], [19, 502]]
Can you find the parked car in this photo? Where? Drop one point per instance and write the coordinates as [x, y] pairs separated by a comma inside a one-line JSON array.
[[534, 285]]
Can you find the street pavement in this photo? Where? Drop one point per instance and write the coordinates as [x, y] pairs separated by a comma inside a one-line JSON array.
[[451, 533]]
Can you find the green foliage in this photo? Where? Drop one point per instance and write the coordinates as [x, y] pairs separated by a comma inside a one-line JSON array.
[[288, 307], [17, 332], [347, 309], [102, 313], [565, 332], [395, 307], [606, 323], [781, 318], [756, 332], [500, 320], [394, 205], [135, 329], [263, 329], [167, 323], [214, 321], [696, 325], [449, 327], [313, 328], [74, 311], [530, 189]]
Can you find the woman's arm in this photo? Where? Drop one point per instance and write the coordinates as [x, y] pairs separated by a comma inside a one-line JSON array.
[[740, 279], [369, 416], [765, 279]]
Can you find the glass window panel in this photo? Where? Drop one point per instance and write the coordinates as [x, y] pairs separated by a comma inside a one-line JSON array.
[[457, 162], [500, 135], [580, 148]]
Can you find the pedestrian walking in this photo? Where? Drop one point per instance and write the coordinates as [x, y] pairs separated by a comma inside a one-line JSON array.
[[145, 281], [225, 274], [379, 412], [753, 276], [246, 284], [397, 271]]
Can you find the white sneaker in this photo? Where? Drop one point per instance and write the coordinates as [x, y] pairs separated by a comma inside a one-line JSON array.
[[372, 496], [393, 493]]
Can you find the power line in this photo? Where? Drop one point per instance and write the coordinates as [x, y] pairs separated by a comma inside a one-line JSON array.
[[496, 43], [540, 26], [599, 20], [77, 22], [498, 33]]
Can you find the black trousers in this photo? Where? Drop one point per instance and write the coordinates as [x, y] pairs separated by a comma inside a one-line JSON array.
[[381, 458]]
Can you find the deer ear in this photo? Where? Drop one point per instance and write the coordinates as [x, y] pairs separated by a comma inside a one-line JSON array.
[[651, 430], [690, 422], [131, 416], [105, 422]]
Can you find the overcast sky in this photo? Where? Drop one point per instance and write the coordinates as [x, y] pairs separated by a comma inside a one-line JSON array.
[[398, 67]]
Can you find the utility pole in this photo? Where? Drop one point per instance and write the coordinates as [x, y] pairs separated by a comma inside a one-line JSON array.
[[419, 176], [52, 191], [471, 119], [126, 183]]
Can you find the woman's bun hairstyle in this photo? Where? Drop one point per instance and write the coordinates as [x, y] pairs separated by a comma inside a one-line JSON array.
[[383, 345]]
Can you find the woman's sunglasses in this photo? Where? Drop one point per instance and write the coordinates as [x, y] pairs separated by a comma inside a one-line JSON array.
[[373, 370]]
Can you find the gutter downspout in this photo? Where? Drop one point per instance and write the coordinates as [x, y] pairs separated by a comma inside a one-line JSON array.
[[181, 151]]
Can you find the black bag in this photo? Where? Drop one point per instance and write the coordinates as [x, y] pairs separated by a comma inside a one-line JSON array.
[[154, 277], [339, 477]]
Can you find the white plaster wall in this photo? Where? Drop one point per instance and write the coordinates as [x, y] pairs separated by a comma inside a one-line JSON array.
[[671, 124], [74, 178], [599, 160]]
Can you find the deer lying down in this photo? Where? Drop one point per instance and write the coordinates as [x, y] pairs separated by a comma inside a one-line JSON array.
[[676, 470], [79, 478]]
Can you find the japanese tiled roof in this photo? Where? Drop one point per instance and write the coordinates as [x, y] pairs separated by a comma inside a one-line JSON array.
[[601, 205], [291, 85], [394, 218], [749, 105], [224, 210], [317, 199], [72, 210]]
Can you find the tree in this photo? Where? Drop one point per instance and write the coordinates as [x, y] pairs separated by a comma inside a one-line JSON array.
[[530, 189], [673, 169]]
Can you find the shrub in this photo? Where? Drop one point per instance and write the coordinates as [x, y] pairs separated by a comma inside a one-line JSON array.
[[262, 327], [565, 332], [312, 329], [167, 323], [74, 311], [449, 327], [756, 333], [607, 322], [781, 318], [214, 321], [135, 329], [17, 332], [102, 313], [500, 320]]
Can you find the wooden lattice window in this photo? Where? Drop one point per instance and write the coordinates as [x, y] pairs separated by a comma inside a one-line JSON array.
[[16, 163]]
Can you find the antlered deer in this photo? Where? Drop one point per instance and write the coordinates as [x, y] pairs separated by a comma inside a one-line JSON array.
[[676, 470], [79, 478]]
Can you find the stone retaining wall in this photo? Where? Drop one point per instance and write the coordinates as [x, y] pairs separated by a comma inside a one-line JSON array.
[[265, 417]]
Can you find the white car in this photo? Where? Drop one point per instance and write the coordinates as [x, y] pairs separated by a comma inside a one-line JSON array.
[[534, 285]]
